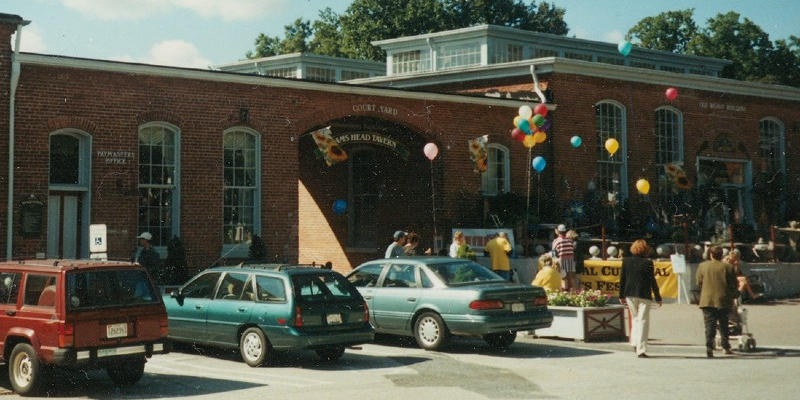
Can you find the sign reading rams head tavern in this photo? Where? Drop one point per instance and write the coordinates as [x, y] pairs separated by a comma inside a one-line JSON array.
[[372, 138]]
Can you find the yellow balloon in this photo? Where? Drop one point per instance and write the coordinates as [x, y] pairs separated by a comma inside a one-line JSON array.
[[539, 137], [529, 141], [612, 145], [516, 121], [643, 186]]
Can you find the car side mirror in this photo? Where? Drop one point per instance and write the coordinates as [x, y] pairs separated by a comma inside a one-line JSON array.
[[176, 294]]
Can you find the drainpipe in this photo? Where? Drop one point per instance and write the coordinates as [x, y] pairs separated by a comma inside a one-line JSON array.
[[15, 71]]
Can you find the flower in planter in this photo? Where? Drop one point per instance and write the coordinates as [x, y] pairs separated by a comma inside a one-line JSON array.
[[583, 298]]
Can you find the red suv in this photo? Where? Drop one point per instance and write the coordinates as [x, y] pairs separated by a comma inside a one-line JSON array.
[[78, 314]]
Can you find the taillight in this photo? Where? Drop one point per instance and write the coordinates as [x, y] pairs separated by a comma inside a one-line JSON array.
[[486, 305], [163, 326], [366, 312], [298, 317], [66, 335], [540, 301]]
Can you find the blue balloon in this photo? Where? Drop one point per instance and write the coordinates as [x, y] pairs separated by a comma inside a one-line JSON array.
[[524, 125], [576, 141], [624, 47], [539, 163], [339, 207]]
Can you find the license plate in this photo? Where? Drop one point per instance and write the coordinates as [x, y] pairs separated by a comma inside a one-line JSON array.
[[517, 307], [334, 319], [116, 330]]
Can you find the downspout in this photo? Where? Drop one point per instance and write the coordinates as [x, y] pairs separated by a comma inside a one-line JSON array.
[[15, 71]]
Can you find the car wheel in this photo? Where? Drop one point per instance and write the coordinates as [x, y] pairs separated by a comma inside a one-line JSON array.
[[430, 331], [501, 340], [330, 353], [24, 370], [127, 372], [254, 347]]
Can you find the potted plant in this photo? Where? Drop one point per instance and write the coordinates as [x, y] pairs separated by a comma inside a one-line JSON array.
[[584, 315]]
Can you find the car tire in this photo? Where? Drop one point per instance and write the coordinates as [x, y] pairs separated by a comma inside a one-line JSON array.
[[254, 347], [127, 372], [24, 370], [430, 331], [500, 339], [330, 353]]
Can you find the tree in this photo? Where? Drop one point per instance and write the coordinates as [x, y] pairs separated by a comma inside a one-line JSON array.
[[744, 43], [669, 31], [546, 18], [327, 34], [784, 62], [295, 41]]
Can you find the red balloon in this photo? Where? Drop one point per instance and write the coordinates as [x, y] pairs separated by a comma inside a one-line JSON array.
[[671, 94], [540, 109], [517, 134]]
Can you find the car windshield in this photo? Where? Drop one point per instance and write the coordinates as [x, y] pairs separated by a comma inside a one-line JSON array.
[[464, 273], [310, 288], [109, 288]]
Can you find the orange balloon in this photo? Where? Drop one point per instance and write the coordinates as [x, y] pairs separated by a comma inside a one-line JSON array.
[[643, 186], [539, 137], [612, 145], [529, 141]]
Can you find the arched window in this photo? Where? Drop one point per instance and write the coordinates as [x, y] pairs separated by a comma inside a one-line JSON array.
[[611, 169], [669, 149], [496, 179], [158, 181], [241, 176], [773, 167]]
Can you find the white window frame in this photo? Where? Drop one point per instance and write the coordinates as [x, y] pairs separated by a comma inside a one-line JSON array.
[[235, 241], [493, 185], [173, 185]]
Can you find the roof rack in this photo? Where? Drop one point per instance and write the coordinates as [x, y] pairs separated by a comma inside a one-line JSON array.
[[281, 267]]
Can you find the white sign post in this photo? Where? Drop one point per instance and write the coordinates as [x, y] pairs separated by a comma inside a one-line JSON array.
[[679, 268], [98, 239]]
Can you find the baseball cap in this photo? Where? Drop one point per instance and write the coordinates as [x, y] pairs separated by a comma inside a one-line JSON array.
[[399, 234], [145, 236], [562, 228]]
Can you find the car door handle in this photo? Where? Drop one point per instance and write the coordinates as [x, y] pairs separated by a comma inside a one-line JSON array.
[[242, 309], [198, 306], [412, 299], [11, 313]]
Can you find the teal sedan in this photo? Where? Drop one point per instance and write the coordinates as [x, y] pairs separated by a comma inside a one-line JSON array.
[[264, 308], [434, 298]]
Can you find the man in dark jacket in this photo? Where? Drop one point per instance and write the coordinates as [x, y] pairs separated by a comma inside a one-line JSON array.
[[718, 288], [147, 256]]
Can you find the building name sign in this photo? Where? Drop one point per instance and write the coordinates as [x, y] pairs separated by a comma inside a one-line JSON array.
[[720, 106], [372, 138], [375, 108], [115, 157]]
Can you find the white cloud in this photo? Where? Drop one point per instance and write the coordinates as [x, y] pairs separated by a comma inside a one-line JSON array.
[[228, 10], [31, 41], [614, 36], [174, 53]]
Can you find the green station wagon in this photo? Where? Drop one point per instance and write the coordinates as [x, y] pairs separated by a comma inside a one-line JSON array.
[[433, 298], [261, 308]]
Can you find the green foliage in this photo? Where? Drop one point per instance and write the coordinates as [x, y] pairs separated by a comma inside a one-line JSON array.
[[669, 31], [465, 251], [257, 250], [175, 269]]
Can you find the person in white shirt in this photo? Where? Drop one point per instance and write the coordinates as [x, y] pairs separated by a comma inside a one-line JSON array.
[[458, 238]]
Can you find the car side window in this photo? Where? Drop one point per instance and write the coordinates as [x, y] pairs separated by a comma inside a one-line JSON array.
[[40, 290], [269, 288], [426, 280], [366, 276], [400, 275], [202, 287], [232, 286], [9, 287]]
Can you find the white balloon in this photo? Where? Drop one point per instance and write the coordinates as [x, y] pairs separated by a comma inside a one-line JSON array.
[[525, 112], [431, 151]]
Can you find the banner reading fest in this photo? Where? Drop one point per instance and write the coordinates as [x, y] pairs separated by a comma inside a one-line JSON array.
[[604, 276]]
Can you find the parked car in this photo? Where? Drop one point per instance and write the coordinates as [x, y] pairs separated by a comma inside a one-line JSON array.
[[261, 308], [433, 298], [79, 315]]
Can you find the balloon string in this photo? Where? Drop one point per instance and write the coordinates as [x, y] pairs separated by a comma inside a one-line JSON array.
[[528, 204], [433, 200]]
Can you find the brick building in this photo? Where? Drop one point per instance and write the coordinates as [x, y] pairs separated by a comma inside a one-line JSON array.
[[215, 157]]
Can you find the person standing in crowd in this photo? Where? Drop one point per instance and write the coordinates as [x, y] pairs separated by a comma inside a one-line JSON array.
[[734, 258], [564, 251], [498, 250], [637, 289], [578, 250], [549, 276], [718, 288], [412, 242], [458, 239], [395, 249], [147, 256]]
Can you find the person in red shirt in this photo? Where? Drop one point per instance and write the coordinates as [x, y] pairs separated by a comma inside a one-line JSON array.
[[564, 250]]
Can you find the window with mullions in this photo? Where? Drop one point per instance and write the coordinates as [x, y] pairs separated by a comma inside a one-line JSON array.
[[773, 164], [506, 52], [158, 202], [410, 61], [241, 176], [496, 179], [611, 174], [669, 148], [458, 55]]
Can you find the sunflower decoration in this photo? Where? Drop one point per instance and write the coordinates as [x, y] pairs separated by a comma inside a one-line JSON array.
[[677, 176], [477, 153], [327, 146]]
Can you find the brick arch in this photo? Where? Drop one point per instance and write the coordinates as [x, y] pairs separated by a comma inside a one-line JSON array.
[[236, 119], [72, 122], [159, 115]]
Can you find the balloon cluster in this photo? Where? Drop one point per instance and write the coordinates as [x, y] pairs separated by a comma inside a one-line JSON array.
[[530, 125]]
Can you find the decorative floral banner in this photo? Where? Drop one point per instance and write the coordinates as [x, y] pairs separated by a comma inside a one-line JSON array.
[[477, 152], [327, 146]]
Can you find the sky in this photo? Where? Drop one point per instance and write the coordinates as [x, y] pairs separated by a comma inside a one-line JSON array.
[[205, 33]]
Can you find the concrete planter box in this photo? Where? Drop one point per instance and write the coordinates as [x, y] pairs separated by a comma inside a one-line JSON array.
[[587, 324]]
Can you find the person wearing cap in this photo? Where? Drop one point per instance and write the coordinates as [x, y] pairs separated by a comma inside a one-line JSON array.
[[147, 256], [498, 250], [395, 249], [564, 250]]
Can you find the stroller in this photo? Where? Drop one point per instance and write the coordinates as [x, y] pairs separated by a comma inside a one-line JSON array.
[[738, 329]]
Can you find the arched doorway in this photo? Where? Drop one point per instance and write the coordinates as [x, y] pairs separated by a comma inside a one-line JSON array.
[[380, 172], [68, 200]]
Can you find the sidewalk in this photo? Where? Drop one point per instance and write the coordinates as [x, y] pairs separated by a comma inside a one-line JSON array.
[[678, 328]]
